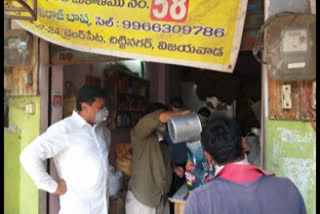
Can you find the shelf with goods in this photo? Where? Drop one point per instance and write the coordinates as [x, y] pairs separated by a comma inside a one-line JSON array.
[[127, 97]]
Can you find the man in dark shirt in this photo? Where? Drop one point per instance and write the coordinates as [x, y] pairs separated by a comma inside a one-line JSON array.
[[239, 187]]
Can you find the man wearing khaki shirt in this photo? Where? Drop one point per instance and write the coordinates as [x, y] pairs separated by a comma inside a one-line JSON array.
[[151, 170]]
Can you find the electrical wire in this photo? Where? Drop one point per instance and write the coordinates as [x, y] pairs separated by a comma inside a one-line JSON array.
[[308, 105]]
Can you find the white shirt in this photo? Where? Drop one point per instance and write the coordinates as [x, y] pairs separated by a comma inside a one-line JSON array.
[[80, 153]]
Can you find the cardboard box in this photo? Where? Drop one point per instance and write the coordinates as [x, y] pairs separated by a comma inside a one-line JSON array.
[[179, 199]]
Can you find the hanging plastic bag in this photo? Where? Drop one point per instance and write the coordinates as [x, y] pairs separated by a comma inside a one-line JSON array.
[[198, 171]]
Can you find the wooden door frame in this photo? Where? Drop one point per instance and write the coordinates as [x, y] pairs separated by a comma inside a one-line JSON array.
[[44, 106], [48, 87], [56, 115]]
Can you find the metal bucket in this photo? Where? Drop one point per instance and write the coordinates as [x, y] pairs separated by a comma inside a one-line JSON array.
[[184, 128]]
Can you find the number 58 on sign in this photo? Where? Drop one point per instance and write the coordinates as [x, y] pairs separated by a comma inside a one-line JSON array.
[[169, 10]]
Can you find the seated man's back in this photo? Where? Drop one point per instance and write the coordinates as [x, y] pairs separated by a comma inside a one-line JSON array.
[[265, 195], [239, 187]]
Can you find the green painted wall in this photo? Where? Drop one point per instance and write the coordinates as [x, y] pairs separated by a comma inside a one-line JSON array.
[[11, 172], [21, 195], [291, 152]]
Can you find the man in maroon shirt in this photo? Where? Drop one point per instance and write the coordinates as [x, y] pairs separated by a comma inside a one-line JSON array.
[[239, 187]]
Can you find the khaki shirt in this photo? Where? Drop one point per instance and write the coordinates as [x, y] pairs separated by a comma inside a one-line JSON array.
[[151, 170]]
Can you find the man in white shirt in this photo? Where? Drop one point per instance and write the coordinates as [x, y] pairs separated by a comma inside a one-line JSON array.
[[79, 146]]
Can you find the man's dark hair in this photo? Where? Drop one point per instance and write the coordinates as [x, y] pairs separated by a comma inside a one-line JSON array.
[[222, 140], [176, 99], [88, 94], [155, 106], [204, 111]]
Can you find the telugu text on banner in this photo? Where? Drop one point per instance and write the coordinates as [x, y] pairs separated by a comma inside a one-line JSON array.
[[198, 33]]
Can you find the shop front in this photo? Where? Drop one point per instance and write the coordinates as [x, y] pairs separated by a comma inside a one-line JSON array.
[[141, 53]]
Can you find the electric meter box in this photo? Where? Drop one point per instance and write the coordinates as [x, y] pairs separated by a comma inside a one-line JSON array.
[[290, 47], [18, 48]]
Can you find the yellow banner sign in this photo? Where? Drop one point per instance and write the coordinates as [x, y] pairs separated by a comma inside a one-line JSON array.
[[198, 33]]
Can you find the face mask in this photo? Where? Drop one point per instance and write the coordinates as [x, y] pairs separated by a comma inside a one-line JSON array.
[[101, 116]]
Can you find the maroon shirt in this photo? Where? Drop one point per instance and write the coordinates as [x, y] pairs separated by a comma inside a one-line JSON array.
[[245, 189]]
